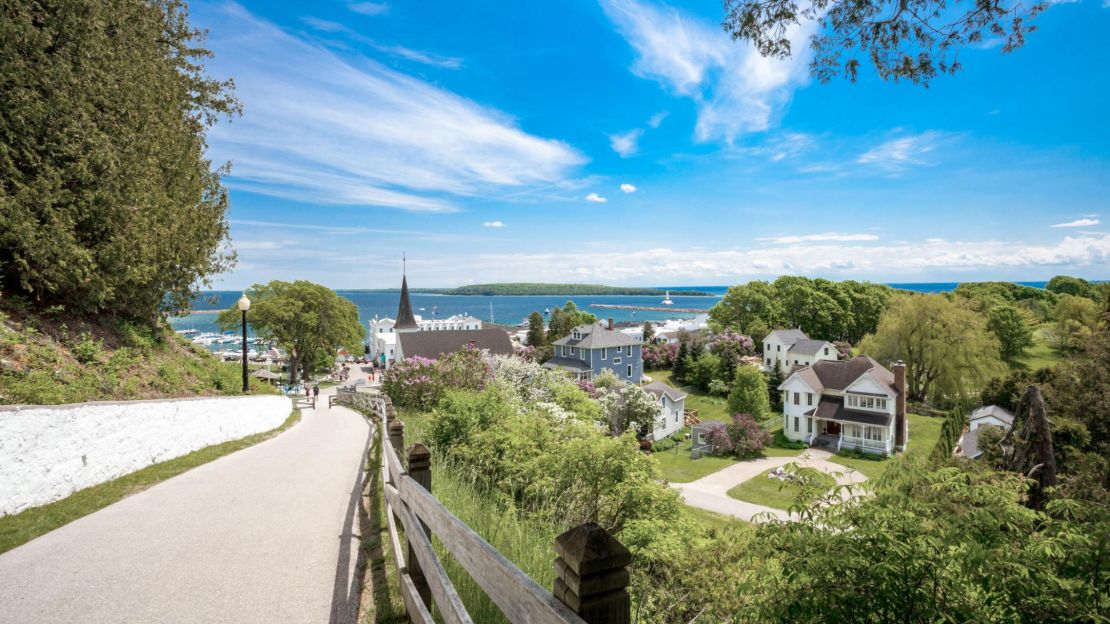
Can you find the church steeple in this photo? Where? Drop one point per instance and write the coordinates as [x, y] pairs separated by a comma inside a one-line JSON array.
[[405, 318]]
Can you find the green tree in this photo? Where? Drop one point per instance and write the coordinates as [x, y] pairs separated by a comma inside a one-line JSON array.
[[945, 344], [745, 306], [749, 393], [649, 331], [629, 408], [775, 378], [811, 310], [1076, 318], [309, 321], [537, 337], [1080, 387], [904, 40], [681, 362], [1075, 286], [1011, 327], [108, 204]]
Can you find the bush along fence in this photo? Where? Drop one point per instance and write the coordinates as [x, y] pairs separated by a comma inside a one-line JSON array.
[[950, 431], [591, 565]]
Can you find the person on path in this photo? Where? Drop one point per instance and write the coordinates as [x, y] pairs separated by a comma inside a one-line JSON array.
[[316, 391]]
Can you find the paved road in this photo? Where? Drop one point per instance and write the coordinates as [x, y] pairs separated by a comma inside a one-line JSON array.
[[711, 491], [266, 534]]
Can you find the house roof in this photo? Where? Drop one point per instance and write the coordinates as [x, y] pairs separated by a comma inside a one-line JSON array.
[[567, 363], [659, 389], [995, 411], [433, 344], [596, 337], [830, 408], [839, 374], [709, 423], [807, 346], [787, 336]]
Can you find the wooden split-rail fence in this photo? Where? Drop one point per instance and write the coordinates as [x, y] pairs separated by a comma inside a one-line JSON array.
[[591, 565]]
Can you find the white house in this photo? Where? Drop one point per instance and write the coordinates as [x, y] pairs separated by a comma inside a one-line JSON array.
[[989, 416], [672, 409], [787, 348], [855, 404], [383, 334]]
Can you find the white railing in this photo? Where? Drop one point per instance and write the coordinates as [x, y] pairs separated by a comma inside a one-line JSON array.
[[865, 443]]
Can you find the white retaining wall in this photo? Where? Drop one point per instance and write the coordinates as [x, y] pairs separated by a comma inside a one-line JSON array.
[[49, 452]]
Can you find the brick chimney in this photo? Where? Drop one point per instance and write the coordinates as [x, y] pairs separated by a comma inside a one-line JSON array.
[[610, 322], [900, 406]]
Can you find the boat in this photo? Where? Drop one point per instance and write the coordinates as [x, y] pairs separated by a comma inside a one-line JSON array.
[[547, 310], [186, 332], [667, 299]]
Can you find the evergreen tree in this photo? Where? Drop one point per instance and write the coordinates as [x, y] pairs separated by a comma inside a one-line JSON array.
[[774, 380], [649, 331], [680, 363], [537, 337]]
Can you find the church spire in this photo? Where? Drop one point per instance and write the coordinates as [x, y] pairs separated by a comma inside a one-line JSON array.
[[405, 318]]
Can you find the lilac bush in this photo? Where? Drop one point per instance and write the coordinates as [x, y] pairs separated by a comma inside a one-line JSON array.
[[413, 382], [718, 438], [748, 438], [659, 356], [732, 346]]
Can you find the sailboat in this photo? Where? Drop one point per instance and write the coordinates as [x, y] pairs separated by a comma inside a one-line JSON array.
[[667, 299]]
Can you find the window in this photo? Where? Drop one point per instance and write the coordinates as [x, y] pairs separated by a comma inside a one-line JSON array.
[[572, 350], [874, 433], [809, 398], [662, 423], [778, 347], [826, 350], [616, 361], [604, 352], [797, 401], [768, 361], [795, 424], [768, 347], [809, 425], [628, 350], [576, 336], [676, 416], [629, 373]]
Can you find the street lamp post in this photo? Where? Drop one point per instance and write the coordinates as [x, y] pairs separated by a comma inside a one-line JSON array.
[[244, 305]]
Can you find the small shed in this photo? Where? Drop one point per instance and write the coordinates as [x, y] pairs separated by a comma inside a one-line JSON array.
[[699, 444]]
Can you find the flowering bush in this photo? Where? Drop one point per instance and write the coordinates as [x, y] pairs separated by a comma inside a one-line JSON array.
[[718, 438], [731, 346], [413, 382], [748, 438], [525, 352], [588, 387], [465, 369], [659, 356]]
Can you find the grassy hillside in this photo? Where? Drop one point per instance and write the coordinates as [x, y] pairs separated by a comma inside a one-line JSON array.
[[54, 358]]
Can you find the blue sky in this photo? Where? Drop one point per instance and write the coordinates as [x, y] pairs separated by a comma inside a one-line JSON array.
[[630, 142]]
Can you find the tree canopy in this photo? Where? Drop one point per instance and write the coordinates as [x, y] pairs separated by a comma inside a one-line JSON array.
[[307, 320], [910, 40], [945, 344], [107, 202]]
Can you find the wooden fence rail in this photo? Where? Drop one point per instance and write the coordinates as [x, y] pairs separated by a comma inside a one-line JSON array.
[[591, 566]]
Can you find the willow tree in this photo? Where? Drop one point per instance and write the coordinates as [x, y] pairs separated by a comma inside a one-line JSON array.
[[107, 202], [309, 321], [948, 351]]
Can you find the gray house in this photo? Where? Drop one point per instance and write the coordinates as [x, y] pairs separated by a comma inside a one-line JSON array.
[[590, 349]]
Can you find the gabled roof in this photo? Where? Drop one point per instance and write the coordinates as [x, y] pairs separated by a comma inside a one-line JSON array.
[[787, 336], [596, 337], [839, 374], [433, 344], [994, 411], [659, 389], [807, 346]]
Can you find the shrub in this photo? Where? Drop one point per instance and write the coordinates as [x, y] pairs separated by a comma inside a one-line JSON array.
[[413, 382], [718, 388], [748, 438], [87, 349], [749, 393], [659, 356], [703, 369], [719, 440], [781, 441]]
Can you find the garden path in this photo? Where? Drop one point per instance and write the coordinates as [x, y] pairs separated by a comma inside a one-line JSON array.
[[711, 491], [266, 534]]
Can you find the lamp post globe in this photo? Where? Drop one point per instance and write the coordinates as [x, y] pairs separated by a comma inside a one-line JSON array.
[[244, 304]]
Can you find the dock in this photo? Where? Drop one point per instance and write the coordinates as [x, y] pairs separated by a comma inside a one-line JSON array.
[[614, 306]]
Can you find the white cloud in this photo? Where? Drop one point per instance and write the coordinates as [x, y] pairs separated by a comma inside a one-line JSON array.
[[493, 224], [658, 118], [900, 153], [321, 129], [625, 143], [907, 260], [1078, 222], [597, 199], [369, 8], [811, 238], [628, 188], [427, 58], [736, 89]]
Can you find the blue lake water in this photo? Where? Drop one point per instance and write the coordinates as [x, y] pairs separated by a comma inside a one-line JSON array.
[[505, 310]]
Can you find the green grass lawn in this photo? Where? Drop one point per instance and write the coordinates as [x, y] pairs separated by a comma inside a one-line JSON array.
[[768, 492], [678, 467], [20, 528], [713, 520], [709, 407], [1042, 354], [924, 433]]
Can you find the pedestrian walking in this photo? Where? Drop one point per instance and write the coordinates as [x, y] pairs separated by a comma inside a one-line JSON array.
[[316, 391]]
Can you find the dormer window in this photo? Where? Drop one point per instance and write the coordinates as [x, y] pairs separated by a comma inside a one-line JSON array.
[[576, 335]]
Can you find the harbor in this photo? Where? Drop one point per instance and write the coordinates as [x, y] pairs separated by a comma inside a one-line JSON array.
[[616, 306]]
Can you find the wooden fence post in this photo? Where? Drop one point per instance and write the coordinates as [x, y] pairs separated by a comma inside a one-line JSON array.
[[397, 437], [420, 469], [591, 575]]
